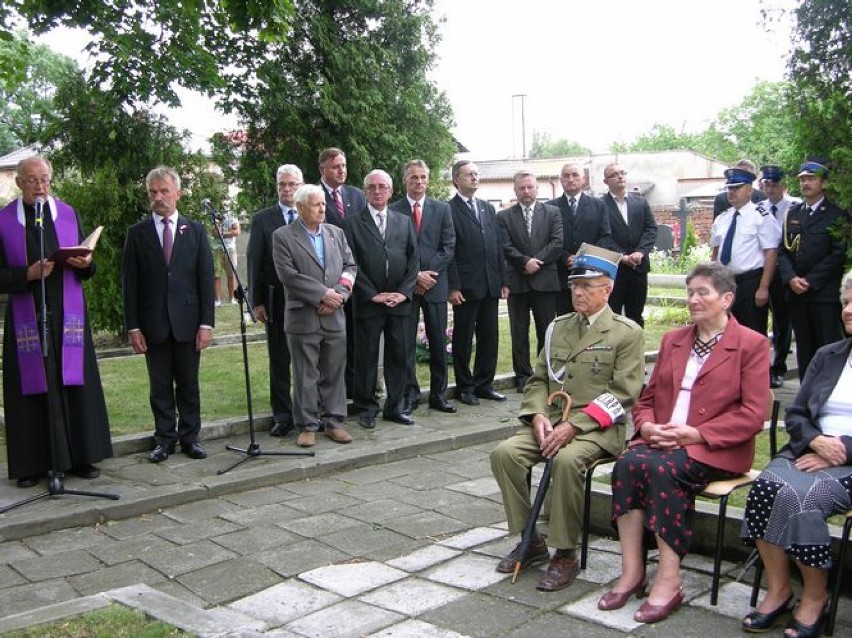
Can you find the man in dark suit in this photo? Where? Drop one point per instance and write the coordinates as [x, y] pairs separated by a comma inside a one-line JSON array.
[[436, 240], [167, 281], [531, 233], [267, 293], [477, 281], [341, 200], [811, 262], [634, 232], [584, 220], [385, 249], [721, 203]]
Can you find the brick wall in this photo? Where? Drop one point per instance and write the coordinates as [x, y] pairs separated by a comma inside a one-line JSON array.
[[700, 216]]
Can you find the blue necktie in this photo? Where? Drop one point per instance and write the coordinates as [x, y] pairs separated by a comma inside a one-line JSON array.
[[727, 245], [290, 216]]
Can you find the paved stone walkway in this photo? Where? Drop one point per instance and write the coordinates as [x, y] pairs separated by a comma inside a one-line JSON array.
[[395, 535]]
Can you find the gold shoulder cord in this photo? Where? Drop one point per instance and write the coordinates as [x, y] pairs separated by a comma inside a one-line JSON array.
[[791, 245]]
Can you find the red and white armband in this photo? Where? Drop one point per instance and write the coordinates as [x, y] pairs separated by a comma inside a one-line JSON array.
[[605, 409]]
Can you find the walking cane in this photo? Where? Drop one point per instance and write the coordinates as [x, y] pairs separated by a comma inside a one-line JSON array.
[[543, 484]]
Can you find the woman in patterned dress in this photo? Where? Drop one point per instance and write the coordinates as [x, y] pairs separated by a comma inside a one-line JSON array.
[[809, 480], [694, 423]]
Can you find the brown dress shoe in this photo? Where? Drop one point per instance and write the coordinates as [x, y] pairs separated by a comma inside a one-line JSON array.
[[338, 435], [537, 552], [306, 439], [560, 573]]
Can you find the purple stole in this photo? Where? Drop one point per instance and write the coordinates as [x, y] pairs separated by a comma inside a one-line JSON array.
[[24, 320]]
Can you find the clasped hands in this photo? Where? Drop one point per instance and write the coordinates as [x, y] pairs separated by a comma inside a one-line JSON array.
[[330, 303], [389, 299], [551, 438], [828, 451], [669, 436], [426, 280]]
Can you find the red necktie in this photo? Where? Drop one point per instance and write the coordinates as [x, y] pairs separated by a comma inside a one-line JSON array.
[[338, 204], [417, 217], [167, 239]]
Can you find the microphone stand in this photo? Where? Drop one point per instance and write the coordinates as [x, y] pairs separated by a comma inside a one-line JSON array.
[[253, 450], [55, 479]]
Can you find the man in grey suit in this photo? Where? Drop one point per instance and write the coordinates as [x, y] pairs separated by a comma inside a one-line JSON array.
[[316, 267], [267, 293], [634, 231], [532, 245], [385, 248], [584, 220], [436, 240]]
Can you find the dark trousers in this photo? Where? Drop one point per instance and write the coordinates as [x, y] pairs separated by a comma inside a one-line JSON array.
[[746, 311], [543, 308], [815, 325], [435, 324], [173, 378], [279, 367], [368, 332], [629, 293], [475, 317], [782, 328], [563, 303]]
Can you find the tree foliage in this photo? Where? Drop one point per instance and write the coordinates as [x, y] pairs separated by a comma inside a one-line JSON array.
[[351, 75], [543, 147], [26, 95]]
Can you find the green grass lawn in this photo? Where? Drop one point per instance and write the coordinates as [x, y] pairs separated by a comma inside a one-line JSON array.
[[115, 621]]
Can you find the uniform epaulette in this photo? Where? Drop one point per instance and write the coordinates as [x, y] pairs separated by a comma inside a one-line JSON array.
[[625, 320], [564, 317], [761, 209]]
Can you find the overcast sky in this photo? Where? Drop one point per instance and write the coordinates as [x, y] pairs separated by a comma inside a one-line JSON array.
[[592, 72]]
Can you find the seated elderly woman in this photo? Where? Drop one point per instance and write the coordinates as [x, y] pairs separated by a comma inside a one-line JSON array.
[[809, 480], [694, 423]]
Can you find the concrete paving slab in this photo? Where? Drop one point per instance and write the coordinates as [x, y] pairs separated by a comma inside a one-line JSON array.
[[468, 571], [137, 526], [52, 613], [229, 580], [76, 561], [121, 575], [473, 537], [254, 540], [263, 514], [15, 550], [314, 487], [433, 499], [348, 619], [261, 496], [380, 491], [330, 502], [423, 558], [201, 510], [285, 602], [373, 542], [299, 557], [485, 486], [175, 589], [701, 563], [554, 624], [426, 525], [524, 590], [351, 579], [136, 548], [426, 481], [186, 533], [734, 601], [374, 474], [694, 622], [416, 629], [23, 598], [66, 540], [179, 560], [412, 596], [602, 568], [320, 525], [9, 577], [587, 609], [380, 511], [474, 511], [480, 615]]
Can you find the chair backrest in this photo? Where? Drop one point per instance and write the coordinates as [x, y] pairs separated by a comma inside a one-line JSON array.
[[775, 407]]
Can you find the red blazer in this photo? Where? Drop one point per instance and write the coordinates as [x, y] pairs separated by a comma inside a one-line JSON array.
[[729, 399]]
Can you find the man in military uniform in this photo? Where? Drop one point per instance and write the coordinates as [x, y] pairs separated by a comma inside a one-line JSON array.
[[596, 357], [810, 260], [745, 239]]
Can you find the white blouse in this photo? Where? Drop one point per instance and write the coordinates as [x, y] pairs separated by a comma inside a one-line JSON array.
[[835, 417]]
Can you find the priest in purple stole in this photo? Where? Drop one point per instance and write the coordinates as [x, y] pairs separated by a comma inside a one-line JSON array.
[[79, 410]]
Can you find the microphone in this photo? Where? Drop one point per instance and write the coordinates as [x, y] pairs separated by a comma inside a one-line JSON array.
[[39, 211], [206, 203]]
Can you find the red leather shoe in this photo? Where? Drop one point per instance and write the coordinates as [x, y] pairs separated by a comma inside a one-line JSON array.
[[618, 599], [649, 613]]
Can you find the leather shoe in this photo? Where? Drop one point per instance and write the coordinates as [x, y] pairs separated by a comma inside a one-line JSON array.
[[402, 419], [776, 381], [649, 613], [468, 398], [28, 481], [86, 471], [617, 599], [491, 395], [338, 435], [306, 438], [802, 630], [537, 552], [193, 450], [756, 622], [560, 573], [442, 405], [160, 453], [367, 421], [281, 428]]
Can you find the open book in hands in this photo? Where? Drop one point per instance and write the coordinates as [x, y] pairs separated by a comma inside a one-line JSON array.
[[87, 246]]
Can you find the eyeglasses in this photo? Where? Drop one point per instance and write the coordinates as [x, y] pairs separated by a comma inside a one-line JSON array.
[[35, 181], [584, 286], [616, 174], [378, 187]]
